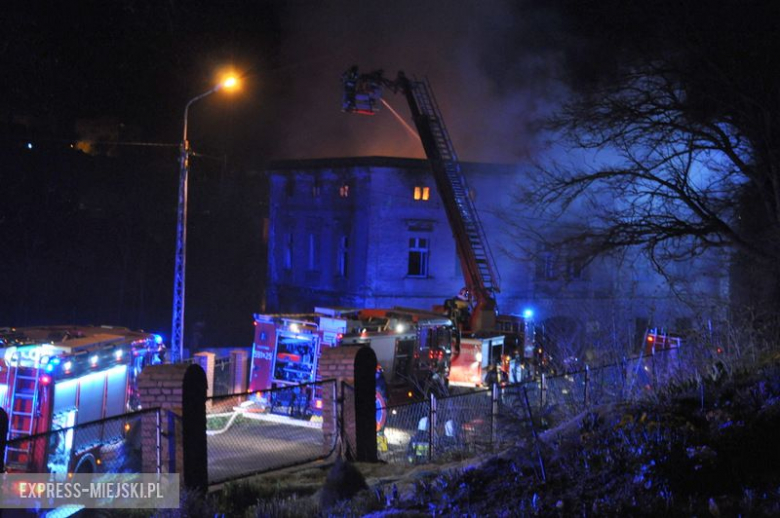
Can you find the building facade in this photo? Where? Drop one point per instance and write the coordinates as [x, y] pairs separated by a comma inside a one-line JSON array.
[[372, 232]]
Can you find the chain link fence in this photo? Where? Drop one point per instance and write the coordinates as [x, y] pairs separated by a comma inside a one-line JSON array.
[[113, 445], [406, 436], [223, 379], [463, 424], [606, 384], [347, 420], [516, 415], [256, 432], [483, 420]]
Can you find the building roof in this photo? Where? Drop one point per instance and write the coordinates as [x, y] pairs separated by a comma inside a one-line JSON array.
[[383, 161], [72, 338]]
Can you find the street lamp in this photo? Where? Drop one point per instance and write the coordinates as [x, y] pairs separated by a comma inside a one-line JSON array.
[[177, 332]]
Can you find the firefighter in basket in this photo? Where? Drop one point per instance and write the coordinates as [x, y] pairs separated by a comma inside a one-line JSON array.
[[459, 308]]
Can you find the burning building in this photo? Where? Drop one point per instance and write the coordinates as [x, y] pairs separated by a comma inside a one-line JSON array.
[[372, 232]]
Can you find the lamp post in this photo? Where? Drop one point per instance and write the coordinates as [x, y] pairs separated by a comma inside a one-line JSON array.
[[177, 331]]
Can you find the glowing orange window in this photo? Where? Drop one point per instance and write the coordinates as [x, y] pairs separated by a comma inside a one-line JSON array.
[[422, 193]]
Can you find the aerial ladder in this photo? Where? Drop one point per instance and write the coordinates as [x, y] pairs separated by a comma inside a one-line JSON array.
[[362, 94], [22, 409]]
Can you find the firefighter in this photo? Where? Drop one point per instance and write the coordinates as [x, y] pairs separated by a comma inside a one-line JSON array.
[[350, 79], [450, 439], [516, 368], [491, 376], [419, 445], [459, 308]]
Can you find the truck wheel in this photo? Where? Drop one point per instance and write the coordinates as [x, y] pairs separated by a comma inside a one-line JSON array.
[[86, 464]]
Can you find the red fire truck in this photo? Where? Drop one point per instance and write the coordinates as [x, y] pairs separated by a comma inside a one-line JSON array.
[[55, 377], [411, 346], [286, 353], [474, 310], [658, 340]]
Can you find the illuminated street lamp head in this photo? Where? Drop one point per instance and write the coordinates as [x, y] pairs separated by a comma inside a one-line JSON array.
[[230, 82]]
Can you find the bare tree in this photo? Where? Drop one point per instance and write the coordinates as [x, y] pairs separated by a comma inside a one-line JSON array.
[[689, 111]]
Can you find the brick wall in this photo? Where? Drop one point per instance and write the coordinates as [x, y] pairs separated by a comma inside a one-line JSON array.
[[161, 386], [336, 363]]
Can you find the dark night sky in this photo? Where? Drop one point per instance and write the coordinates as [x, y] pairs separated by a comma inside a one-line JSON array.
[[137, 63], [89, 237]]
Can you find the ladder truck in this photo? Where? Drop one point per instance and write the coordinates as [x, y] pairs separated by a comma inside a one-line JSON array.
[[55, 377], [413, 350], [475, 308]]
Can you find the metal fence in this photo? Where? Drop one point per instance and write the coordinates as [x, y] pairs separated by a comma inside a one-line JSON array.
[[256, 432], [223, 379], [347, 419], [112, 445], [463, 423], [483, 420], [405, 435]]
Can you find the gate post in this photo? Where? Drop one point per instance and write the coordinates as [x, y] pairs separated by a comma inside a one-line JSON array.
[[207, 361], [3, 438], [239, 361], [586, 396], [365, 405], [178, 389], [194, 445], [495, 396], [432, 426], [353, 365]]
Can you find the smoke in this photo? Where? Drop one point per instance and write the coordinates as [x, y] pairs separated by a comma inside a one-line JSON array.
[[493, 85]]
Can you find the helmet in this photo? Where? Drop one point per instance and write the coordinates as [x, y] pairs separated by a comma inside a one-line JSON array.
[[449, 428]]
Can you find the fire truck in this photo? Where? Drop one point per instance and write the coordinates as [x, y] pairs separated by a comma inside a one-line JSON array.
[[413, 347], [474, 309], [413, 350], [56, 377], [658, 340], [286, 352]]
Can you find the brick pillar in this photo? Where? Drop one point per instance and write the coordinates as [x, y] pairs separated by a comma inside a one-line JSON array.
[[160, 386], [346, 364], [206, 361], [239, 371], [195, 472], [3, 436]]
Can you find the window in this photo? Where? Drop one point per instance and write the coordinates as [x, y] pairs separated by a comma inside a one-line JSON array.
[[546, 267], [550, 266], [344, 190], [288, 251], [422, 193], [289, 187], [316, 188], [343, 258], [418, 257], [313, 252], [574, 268]]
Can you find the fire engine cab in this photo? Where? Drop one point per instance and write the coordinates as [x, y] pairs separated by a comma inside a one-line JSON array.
[[413, 347], [286, 352], [55, 377]]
